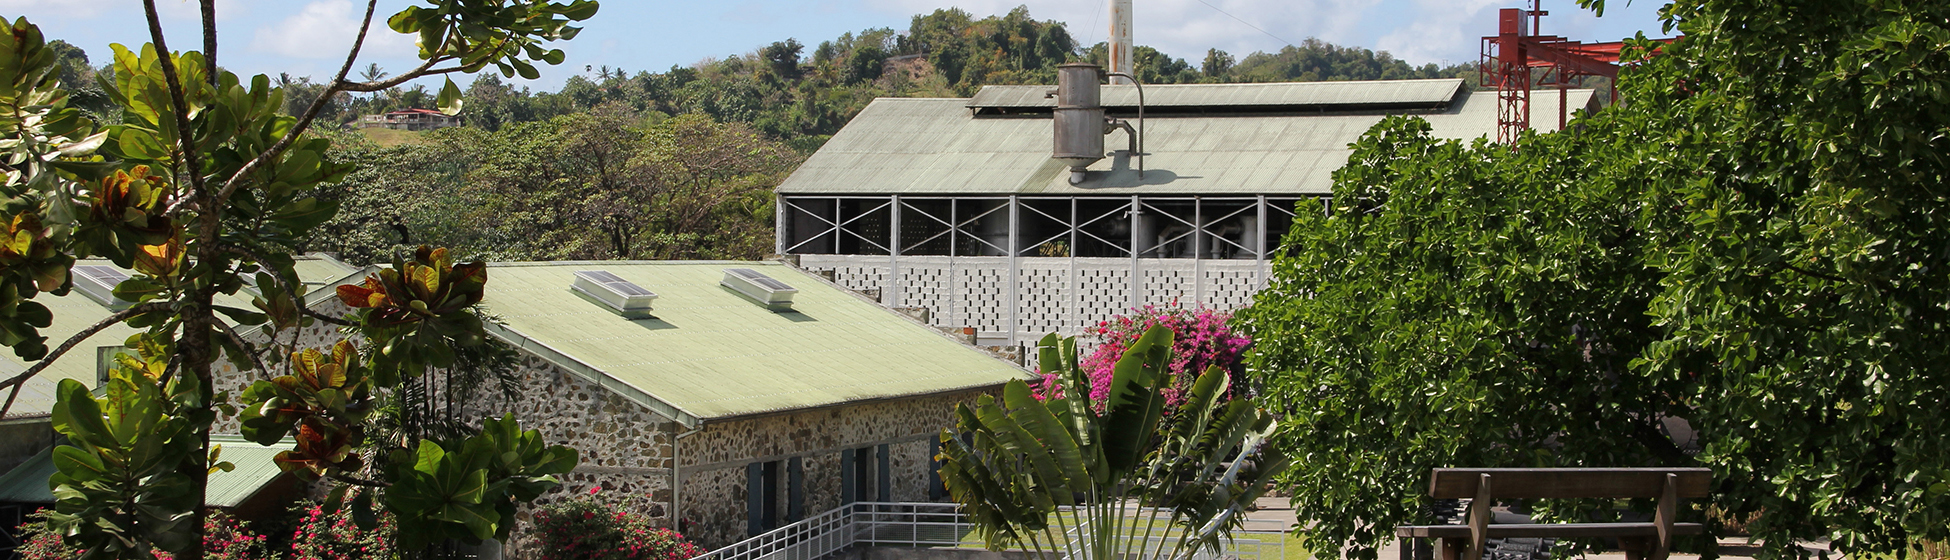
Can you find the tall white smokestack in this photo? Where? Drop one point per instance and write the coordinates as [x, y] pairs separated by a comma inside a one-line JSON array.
[[1120, 41]]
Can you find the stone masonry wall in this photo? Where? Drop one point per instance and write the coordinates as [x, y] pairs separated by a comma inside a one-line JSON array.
[[713, 461], [624, 448]]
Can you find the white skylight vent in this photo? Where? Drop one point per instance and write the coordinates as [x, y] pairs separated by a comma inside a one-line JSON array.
[[98, 283], [610, 290], [774, 294]]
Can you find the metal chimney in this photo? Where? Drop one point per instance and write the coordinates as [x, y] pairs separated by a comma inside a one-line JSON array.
[[1120, 43], [1079, 117]]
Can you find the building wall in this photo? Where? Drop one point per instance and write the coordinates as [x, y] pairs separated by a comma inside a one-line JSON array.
[[22, 438], [1051, 294], [713, 461]]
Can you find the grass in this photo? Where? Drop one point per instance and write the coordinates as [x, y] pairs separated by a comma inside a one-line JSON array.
[[390, 137]]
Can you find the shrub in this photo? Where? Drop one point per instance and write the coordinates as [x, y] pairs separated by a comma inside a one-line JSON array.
[[585, 528], [1201, 339], [333, 536], [224, 538]]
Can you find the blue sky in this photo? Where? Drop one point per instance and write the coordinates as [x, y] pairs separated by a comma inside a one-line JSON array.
[[310, 37]]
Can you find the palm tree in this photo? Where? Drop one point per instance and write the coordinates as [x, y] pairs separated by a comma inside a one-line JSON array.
[[1088, 480]]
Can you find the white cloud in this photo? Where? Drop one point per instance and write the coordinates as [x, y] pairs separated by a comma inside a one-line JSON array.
[[1443, 31], [325, 29], [78, 9]]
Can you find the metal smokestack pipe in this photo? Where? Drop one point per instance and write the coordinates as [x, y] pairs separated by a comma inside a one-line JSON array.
[[1079, 118], [1120, 42]]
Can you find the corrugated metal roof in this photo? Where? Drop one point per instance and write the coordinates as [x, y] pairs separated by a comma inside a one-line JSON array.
[[75, 312], [27, 483], [935, 146], [709, 353], [1287, 94]]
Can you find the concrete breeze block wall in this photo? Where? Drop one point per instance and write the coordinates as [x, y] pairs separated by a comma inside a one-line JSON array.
[[1051, 294]]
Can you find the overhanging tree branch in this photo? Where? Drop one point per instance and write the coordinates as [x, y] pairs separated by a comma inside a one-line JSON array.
[[247, 348], [289, 286], [184, 137], [304, 122]]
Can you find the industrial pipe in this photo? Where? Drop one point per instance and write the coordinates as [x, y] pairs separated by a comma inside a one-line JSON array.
[[1140, 127]]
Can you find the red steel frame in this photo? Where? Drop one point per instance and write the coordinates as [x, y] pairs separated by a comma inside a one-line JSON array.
[[1509, 57]]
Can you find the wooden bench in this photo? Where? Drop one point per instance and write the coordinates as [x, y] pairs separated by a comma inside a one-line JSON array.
[[1641, 541]]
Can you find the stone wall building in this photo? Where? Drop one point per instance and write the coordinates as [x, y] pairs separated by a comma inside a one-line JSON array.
[[709, 409]]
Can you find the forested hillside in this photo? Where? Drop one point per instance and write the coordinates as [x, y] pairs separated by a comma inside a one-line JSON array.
[[679, 163]]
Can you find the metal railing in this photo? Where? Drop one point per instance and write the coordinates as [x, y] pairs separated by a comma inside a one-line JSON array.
[[932, 525]]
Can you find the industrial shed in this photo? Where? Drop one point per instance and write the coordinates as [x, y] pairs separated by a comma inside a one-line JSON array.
[[956, 205]]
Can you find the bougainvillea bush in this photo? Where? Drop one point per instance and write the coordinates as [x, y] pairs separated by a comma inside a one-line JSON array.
[[1201, 339], [586, 528], [322, 535], [224, 538]]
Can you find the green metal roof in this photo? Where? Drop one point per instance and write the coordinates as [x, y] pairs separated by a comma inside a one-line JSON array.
[[75, 312], [1284, 94], [937, 147], [27, 483], [709, 353]]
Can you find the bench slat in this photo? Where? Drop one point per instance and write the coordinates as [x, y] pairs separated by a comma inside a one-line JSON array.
[[1570, 483], [1558, 530]]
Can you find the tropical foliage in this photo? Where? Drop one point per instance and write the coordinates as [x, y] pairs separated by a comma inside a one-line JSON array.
[[1750, 248], [587, 528], [1200, 340], [224, 538], [320, 533], [607, 184], [1033, 472], [203, 183]]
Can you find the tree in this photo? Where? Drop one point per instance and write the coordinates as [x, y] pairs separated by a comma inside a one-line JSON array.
[[1217, 63], [204, 183], [1751, 246], [1034, 471]]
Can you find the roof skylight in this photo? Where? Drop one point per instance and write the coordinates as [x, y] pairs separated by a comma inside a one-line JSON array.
[[753, 284], [620, 296], [98, 283]]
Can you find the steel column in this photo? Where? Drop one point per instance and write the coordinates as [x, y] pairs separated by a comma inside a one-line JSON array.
[[1198, 248], [1137, 280], [892, 295], [778, 224], [1260, 250], [1015, 258], [1071, 317], [954, 237]]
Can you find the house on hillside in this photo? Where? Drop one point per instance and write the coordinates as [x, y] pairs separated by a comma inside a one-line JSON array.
[[958, 207], [410, 119]]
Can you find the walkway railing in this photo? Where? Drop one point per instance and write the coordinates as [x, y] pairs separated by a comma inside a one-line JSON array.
[[921, 524]]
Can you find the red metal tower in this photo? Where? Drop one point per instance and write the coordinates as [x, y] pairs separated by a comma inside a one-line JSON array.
[[1509, 57]]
